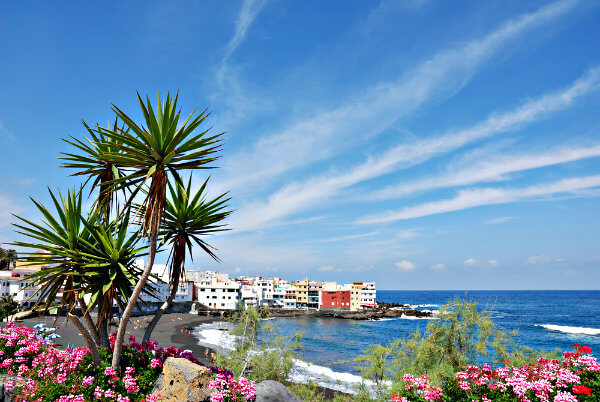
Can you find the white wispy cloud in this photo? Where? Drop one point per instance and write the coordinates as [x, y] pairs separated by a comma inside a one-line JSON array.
[[301, 195], [493, 168], [349, 237], [329, 268], [7, 208], [471, 262], [406, 265], [229, 89], [335, 130], [248, 12], [438, 267], [542, 259], [500, 219], [493, 263], [486, 196]]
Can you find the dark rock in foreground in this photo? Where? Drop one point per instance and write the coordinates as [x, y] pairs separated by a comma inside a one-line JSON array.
[[273, 391], [6, 395]]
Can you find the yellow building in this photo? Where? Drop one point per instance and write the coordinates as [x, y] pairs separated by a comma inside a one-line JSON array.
[[302, 293], [355, 293]]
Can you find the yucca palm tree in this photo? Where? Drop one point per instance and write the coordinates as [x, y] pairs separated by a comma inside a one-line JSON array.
[[187, 220], [149, 154], [91, 163], [83, 256]]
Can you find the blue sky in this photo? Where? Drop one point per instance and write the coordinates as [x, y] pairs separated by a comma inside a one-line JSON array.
[[419, 144]]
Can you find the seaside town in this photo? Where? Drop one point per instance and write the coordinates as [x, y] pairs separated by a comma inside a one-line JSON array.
[[217, 291]]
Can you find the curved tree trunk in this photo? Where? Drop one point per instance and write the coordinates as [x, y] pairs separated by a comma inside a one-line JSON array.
[[86, 314], [88, 338], [165, 306], [118, 349], [103, 333]]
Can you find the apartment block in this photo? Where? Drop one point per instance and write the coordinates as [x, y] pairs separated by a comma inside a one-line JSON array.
[[368, 293], [218, 294]]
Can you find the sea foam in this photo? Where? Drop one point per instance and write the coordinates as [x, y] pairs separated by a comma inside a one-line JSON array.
[[570, 330]]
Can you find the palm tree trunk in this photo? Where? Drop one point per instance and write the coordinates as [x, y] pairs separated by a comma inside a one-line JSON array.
[[165, 306], [118, 349], [88, 339], [103, 333], [86, 314]]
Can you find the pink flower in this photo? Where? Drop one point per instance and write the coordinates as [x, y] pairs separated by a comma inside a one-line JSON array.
[[109, 371], [155, 363], [87, 381]]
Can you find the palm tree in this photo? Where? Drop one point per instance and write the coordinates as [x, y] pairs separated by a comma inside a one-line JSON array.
[[7, 258], [84, 256], [186, 221], [91, 163], [8, 306], [148, 155]]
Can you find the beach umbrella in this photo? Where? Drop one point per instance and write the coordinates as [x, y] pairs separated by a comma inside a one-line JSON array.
[[53, 336], [39, 326]]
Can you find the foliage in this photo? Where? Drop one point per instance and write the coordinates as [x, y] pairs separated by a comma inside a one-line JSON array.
[[7, 258], [258, 351], [575, 378], [312, 392], [187, 220], [230, 390], [92, 253], [91, 163], [461, 335], [61, 375], [8, 306]]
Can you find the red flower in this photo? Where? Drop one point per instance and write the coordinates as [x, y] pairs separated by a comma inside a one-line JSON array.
[[581, 389]]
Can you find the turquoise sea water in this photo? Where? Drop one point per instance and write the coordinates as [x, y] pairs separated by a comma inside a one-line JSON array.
[[569, 317]]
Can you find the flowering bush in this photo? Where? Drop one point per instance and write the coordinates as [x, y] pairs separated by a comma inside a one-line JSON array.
[[45, 373], [575, 378], [230, 390]]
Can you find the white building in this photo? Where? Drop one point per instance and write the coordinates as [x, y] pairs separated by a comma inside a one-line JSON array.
[[218, 294], [185, 292], [11, 285], [264, 288], [367, 295], [249, 296], [198, 276]]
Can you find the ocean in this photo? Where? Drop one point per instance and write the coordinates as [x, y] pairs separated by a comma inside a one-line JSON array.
[[545, 319]]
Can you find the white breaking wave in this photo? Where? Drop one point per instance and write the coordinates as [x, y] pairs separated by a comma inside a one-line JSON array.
[[303, 372], [215, 335], [423, 305], [570, 330], [382, 319], [410, 317]]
